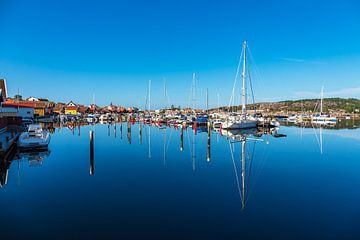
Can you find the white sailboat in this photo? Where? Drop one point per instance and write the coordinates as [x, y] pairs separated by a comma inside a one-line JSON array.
[[235, 121], [322, 118]]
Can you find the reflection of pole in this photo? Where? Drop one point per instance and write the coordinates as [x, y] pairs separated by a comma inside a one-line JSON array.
[[181, 138], [208, 142], [129, 132], [321, 140], [91, 152], [115, 129], [79, 129], [109, 130], [121, 130], [164, 146], [149, 142], [193, 152], [243, 165], [140, 133]]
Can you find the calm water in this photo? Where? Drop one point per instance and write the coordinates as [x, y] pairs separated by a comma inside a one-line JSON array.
[[305, 185]]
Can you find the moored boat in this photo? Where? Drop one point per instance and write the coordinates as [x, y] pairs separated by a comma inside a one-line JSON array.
[[241, 121], [34, 138]]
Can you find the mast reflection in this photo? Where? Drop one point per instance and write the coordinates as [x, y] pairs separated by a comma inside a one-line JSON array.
[[242, 136], [91, 152]]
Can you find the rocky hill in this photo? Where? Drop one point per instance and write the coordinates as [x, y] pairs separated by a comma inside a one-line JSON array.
[[349, 105]]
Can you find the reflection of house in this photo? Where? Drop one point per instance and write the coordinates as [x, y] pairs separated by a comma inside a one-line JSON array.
[[71, 108]]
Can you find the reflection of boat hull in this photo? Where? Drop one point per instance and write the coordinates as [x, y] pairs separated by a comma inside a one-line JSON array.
[[323, 122], [239, 133], [34, 157]]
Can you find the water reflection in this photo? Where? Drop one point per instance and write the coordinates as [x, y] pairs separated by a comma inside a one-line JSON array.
[[91, 152], [246, 160], [34, 158], [240, 168]]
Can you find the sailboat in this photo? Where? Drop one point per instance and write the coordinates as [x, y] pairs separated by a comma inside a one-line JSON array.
[[322, 118], [235, 121]]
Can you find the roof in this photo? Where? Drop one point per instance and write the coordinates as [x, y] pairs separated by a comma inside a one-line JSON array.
[[71, 108], [40, 104], [21, 105], [71, 103]]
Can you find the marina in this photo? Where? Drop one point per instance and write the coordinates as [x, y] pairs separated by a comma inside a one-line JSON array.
[[183, 120]]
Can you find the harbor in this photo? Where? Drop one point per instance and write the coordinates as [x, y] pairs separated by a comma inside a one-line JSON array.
[[179, 120]]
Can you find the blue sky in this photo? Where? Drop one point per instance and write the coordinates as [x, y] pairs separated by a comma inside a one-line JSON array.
[[70, 50]]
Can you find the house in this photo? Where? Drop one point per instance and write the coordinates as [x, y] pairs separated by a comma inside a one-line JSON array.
[[59, 108], [32, 99], [42, 107], [23, 110], [93, 108], [82, 109], [71, 108]]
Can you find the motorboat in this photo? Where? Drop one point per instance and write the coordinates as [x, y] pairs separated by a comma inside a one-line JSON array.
[[91, 118], [34, 138]]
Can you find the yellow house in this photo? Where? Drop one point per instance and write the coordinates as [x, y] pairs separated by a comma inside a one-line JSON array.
[[41, 108], [71, 108]]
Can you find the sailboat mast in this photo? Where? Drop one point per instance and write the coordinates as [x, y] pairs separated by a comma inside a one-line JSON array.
[[207, 100], [194, 92], [149, 94], [321, 99], [243, 95]]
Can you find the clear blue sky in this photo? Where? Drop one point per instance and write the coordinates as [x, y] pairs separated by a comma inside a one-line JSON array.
[[70, 50]]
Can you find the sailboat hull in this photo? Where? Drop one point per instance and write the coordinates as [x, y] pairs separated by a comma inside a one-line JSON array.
[[244, 124]]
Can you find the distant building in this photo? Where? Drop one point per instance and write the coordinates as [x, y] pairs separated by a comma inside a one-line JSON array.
[[41, 108], [32, 99], [59, 108], [71, 104]]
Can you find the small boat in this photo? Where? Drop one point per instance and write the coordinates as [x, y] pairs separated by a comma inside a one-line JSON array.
[[91, 118], [34, 138]]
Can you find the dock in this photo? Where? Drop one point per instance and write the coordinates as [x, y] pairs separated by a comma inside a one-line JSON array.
[[8, 141]]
